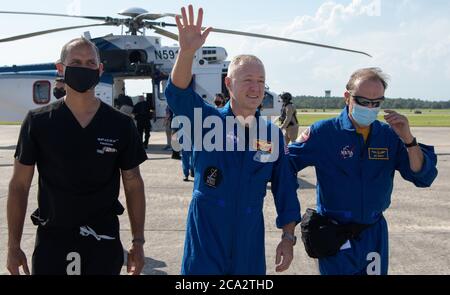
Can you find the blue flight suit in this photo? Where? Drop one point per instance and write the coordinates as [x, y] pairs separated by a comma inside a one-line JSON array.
[[225, 224], [354, 184]]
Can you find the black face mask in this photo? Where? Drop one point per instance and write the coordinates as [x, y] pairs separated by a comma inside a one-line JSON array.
[[81, 79], [59, 92]]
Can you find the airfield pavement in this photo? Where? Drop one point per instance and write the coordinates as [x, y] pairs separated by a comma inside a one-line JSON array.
[[418, 219]]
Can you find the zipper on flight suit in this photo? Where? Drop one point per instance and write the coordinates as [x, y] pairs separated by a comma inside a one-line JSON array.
[[360, 174], [236, 199], [362, 159], [239, 191]]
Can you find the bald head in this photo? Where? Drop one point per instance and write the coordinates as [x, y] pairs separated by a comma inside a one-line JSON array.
[[77, 43], [240, 60], [364, 75]]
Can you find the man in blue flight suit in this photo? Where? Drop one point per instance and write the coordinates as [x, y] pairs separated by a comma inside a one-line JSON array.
[[225, 225], [355, 157], [186, 164], [186, 156]]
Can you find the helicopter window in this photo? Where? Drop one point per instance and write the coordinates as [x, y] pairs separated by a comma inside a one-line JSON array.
[[137, 56], [267, 102], [209, 52], [41, 92]]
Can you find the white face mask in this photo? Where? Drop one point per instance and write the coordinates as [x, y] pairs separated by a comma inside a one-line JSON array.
[[364, 116]]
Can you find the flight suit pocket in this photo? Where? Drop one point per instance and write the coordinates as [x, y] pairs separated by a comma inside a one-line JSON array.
[[203, 197], [261, 171]]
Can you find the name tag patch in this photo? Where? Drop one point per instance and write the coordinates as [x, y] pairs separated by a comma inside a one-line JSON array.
[[106, 145], [378, 154]]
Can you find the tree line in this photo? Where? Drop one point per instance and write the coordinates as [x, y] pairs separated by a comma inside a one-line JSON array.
[[320, 102]]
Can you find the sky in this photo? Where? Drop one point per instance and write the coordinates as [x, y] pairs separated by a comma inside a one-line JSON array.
[[408, 39]]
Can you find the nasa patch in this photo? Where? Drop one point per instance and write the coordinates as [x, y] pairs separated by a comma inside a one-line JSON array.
[[212, 177], [347, 152]]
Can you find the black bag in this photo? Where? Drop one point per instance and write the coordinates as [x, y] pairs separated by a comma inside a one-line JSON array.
[[323, 237]]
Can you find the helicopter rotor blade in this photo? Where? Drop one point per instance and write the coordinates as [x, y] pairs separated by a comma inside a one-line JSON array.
[[164, 33], [100, 18], [29, 35], [163, 24], [285, 39], [153, 16]]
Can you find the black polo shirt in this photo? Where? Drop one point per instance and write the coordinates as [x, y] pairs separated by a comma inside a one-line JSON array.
[[142, 111], [79, 168]]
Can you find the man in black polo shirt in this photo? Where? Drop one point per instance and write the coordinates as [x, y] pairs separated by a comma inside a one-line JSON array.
[[80, 146]]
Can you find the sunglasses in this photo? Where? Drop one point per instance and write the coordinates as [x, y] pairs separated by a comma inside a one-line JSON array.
[[365, 102]]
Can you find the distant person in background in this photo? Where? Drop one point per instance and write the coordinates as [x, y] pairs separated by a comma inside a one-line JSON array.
[[186, 164], [172, 137], [59, 89], [125, 104], [288, 118], [168, 128], [219, 100], [260, 108], [142, 115]]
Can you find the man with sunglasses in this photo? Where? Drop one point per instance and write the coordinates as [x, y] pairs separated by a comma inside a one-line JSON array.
[[355, 157]]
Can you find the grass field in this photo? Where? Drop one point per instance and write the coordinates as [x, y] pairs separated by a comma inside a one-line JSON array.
[[10, 123], [428, 118]]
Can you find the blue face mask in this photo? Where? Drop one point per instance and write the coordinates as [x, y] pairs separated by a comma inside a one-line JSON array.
[[364, 116]]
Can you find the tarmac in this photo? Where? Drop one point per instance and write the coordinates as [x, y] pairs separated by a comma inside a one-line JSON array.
[[418, 219]]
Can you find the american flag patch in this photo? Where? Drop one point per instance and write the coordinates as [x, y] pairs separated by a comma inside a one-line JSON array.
[[304, 136], [262, 145]]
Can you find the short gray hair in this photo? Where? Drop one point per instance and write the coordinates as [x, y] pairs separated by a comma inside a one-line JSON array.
[[367, 74], [242, 59], [81, 41]]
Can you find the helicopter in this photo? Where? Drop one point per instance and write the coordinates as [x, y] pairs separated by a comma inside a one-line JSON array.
[[131, 55]]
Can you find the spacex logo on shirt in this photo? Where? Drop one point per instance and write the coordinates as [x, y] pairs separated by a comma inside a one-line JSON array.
[[106, 145]]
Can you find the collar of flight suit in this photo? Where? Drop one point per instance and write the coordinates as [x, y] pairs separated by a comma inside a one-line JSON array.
[[227, 111]]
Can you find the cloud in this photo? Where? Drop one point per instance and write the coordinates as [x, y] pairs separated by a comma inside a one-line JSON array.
[[414, 50], [325, 26], [329, 17]]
